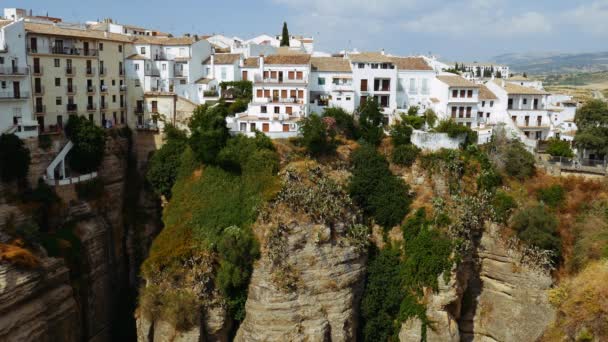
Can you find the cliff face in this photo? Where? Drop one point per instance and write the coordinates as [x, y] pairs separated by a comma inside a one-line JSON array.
[[307, 284]]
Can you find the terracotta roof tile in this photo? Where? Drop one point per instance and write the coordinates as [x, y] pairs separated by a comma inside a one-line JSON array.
[[374, 57], [4, 23], [411, 63], [516, 89], [164, 40], [251, 62], [54, 30], [136, 56], [330, 64], [299, 59], [486, 94], [456, 81]]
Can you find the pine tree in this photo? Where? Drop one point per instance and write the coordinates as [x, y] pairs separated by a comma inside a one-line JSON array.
[[525, 75], [285, 36]]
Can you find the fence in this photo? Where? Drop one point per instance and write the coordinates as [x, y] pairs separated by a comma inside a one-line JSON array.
[[70, 180], [596, 166], [435, 141]]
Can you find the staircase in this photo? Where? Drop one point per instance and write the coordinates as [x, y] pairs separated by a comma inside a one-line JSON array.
[[59, 161], [513, 131]]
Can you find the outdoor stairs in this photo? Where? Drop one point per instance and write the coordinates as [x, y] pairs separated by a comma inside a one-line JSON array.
[[50, 170]]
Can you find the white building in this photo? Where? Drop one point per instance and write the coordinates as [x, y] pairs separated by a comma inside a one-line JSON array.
[[415, 77], [562, 110], [456, 99], [374, 76], [526, 107], [485, 70], [526, 82], [331, 84], [489, 107], [16, 110], [280, 96]]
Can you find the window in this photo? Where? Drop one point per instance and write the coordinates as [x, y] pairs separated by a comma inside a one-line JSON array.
[[469, 112], [57, 63], [136, 83], [321, 81], [263, 109], [483, 103], [119, 48], [361, 65], [338, 99], [454, 109], [469, 93], [276, 110], [142, 50], [3, 84], [57, 82], [182, 52], [348, 98], [299, 75], [136, 66], [463, 93], [374, 65], [164, 66], [113, 82], [454, 93], [58, 100], [491, 104], [425, 86], [113, 98], [100, 46], [413, 85], [525, 101], [1, 60], [223, 76]]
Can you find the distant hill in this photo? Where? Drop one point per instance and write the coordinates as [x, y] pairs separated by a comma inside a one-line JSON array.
[[554, 63]]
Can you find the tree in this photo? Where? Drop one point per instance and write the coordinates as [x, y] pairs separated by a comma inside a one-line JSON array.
[[559, 148], [498, 74], [592, 123], [401, 133], [478, 72], [285, 35], [537, 227], [525, 75], [345, 122], [165, 163], [209, 132], [14, 158], [89, 144], [371, 122], [430, 117], [405, 155], [317, 136]]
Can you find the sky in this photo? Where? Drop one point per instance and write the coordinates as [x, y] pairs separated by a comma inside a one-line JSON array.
[[457, 30]]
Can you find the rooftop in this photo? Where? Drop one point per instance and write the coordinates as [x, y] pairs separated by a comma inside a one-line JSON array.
[[251, 62], [411, 63], [516, 89], [4, 23], [136, 57], [373, 57], [287, 59], [164, 40], [338, 64], [54, 30], [223, 58], [486, 94], [456, 81]]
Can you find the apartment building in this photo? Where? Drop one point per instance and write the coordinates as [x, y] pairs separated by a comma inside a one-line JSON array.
[[525, 106], [487, 70], [526, 82], [15, 87], [331, 84], [374, 76], [414, 79], [280, 96], [76, 71], [456, 99], [489, 107]]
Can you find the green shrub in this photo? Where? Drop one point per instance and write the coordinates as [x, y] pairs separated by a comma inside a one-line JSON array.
[[181, 309], [164, 163], [559, 148], [503, 205], [455, 130], [401, 132], [90, 190], [44, 141], [14, 158], [316, 136], [536, 226], [89, 144], [414, 120], [209, 132], [405, 155], [552, 196], [371, 122], [519, 163], [238, 106], [378, 192], [345, 122]]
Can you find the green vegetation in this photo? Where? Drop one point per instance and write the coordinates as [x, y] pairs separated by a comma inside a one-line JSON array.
[[397, 276], [89, 144], [592, 123], [537, 226], [345, 123], [503, 205], [405, 155], [559, 148], [242, 90], [401, 132], [44, 141], [164, 163], [519, 163], [552, 196], [285, 35], [90, 190], [380, 194], [455, 130], [371, 122], [14, 158], [318, 134], [209, 132]]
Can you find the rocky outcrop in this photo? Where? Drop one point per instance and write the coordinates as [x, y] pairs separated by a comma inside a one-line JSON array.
[[307, 285], [38, 305]]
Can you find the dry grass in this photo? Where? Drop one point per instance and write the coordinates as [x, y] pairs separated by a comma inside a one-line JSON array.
[[16, 254]]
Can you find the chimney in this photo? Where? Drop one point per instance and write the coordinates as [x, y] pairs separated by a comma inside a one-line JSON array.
[[212, 60], [382, 52], [186, 34], [261, 65]]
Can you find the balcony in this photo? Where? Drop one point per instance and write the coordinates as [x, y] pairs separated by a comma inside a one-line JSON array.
[[103, 89], [91, 107], [152, 72], [39, 91], [210, 93], [71, 108], [39, 109], [70, 71], [37, 70], [139, 110], [91, 89], [342, 87], [288, 100], [103, 105], [121, 71], [160, 56], [11, 95], [123, 88], [179, 73], [90, 72], [103, 71], [269, 80], [10, 70], [71, 89]]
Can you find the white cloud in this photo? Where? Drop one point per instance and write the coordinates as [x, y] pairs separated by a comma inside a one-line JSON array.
[[351, 7], [591, 18]]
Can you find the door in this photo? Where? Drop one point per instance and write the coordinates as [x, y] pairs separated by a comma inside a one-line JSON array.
[[34, 44], [363, 101], [36, 65], [288, 110], [58, 48], [245, 78], [275, 95], [284, 93], [40, 120], [85, 46], [280, 77], [363, 85], [16, 91], [89, 67], [535, 103], [14, 66], [265, 127], [285, 128]]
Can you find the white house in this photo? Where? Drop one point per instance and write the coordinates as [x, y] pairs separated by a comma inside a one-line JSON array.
[[562, 110], [280, 97], [456, 98], [331, 84], [16, 109], [526, 82], [483, 70], [415, 76]]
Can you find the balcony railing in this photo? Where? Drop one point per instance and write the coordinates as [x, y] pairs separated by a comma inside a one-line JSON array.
[[91, 89], [160, 57], [103, 71], [39, 90], [72, 108], [11, 95], [103, 105], [71, 89], [123, 87], [91, 107], [90, 71], [37, 70], [70, 71], [103, 89], [39, 109], [10, 70], [210, 93], [259, 79], [65, 50], [152, 72], [178, 73], [139, 110]]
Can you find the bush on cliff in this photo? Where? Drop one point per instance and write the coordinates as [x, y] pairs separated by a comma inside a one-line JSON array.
[[89, 144], [209, 132], [14, 158], [164, 164], [537, 226]]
